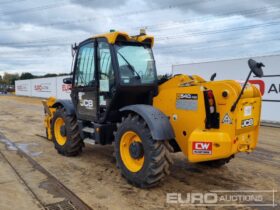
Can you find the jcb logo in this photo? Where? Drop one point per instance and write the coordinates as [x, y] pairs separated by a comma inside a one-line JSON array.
[[87, 103], [202, 148], [247, 123]]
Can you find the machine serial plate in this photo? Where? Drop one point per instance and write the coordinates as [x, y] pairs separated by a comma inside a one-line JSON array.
[[186, 101]]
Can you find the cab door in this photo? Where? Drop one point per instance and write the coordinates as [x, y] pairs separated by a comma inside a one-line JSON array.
[[106, 76], [85, 89]]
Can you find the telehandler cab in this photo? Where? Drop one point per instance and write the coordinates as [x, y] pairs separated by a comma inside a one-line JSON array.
[[117, 98]]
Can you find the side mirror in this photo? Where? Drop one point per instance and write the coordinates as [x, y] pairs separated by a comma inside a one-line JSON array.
[[67, 81], [256, 67]]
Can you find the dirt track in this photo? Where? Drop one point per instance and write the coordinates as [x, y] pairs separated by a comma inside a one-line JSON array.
[[93, 176]]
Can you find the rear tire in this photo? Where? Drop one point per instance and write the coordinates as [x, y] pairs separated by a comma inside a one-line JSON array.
[[156, 154], [69, 143]]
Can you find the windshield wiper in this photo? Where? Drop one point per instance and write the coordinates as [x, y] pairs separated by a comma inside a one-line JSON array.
[[130, 66]]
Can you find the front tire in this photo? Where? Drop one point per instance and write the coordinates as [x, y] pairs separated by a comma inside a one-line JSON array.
[[143, 161], [65, 134]]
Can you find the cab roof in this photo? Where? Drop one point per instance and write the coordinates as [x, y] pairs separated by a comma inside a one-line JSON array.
[[112, 37]]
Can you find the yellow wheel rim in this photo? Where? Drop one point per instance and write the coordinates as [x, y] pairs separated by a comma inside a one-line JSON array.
[[61, 140], [131, 163]]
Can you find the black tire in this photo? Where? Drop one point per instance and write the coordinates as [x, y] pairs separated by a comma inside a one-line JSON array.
[[74, 144], [156, 154], [216, 163]]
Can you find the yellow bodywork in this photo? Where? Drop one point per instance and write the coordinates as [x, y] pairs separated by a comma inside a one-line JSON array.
[[112, 37], [49, 112], [189, 125]]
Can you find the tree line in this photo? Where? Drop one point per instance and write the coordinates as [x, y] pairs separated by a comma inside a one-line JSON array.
[[10, 78]]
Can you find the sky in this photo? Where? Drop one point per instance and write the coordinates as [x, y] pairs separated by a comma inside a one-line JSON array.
[[36, 36]]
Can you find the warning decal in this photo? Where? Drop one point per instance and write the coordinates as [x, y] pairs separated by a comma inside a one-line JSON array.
[[227, 119]]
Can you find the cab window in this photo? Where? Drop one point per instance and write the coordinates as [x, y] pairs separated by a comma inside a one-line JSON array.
[[136, 64], [85, 66]]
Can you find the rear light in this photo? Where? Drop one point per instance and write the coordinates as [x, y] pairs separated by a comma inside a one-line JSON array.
[[212, 117], [211, 101], [212, 109]]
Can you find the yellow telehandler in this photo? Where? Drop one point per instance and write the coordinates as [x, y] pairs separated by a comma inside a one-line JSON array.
[[117, 98]]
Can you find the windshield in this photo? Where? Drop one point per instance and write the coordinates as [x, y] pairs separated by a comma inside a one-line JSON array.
[[136, 64]]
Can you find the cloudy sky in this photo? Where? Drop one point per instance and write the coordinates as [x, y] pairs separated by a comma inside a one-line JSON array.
[[35, 36]]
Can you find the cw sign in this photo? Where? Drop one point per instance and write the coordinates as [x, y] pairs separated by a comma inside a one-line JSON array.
[[202, 148]]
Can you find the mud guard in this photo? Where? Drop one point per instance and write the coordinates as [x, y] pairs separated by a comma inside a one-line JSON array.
[[157, 121], [67, 104]]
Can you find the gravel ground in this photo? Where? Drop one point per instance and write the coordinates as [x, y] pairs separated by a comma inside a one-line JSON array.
[[94, 178]]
